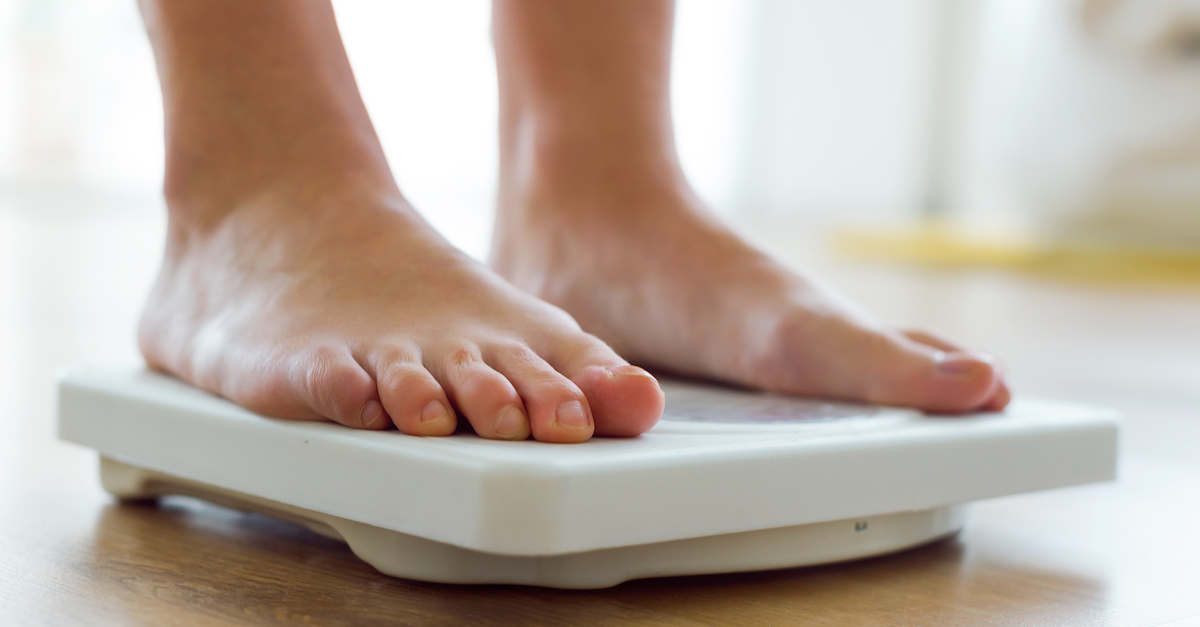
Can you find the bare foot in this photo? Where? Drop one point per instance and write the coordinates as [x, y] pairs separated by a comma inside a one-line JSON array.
[[639, 261], [596, 217], [298, 282], [345, 306]]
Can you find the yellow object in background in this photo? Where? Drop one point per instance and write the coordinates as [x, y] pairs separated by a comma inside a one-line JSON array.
[[949, 246]]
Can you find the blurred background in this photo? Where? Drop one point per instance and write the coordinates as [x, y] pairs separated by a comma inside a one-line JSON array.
[[998, 111], [967, 133], [859, 110], [1071, 118]]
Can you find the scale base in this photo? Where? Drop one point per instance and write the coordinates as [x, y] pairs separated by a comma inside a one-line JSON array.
[[411, 557]]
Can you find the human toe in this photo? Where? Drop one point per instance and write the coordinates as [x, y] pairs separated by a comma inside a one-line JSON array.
[[485, 397], [625, 400], [413, 399], [1002, 395], [325, 381], [558, 410], [1000, 400], [950, 382], [882, 366]]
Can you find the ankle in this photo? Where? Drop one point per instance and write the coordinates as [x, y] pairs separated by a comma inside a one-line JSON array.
[[201, 191], [547, 165], [580, 139]]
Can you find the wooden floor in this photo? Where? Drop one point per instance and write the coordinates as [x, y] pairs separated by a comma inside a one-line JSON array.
[[1119, 554]]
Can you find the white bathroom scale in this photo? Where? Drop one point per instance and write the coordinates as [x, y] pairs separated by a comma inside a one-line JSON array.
[[727, 481]]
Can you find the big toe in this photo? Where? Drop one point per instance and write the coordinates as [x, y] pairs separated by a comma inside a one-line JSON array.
[[625, 400], [915, 375]]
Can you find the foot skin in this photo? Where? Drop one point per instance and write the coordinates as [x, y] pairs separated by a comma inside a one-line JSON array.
[[357, 312], [639, 262]]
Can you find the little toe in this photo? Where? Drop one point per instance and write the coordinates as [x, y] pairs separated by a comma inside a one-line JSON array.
[[558, 410], [413, 399], [626, 400], [333, 385], [486, 397]]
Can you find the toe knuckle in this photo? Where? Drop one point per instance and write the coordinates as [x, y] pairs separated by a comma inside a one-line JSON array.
[[521, 358], [491, 385], [459, 356], [336, 384], [588, 342], [582, 348], [395, 377], [563, 389], [514, 349], [398, 354], [320, 376], [405, 379]]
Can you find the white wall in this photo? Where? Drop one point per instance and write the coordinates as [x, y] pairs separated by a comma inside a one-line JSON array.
[[78, 100], [837, 115], [810, 108], [427, 75]]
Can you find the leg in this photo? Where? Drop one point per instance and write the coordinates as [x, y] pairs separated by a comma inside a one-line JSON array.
[[596, 217], [298, 282]]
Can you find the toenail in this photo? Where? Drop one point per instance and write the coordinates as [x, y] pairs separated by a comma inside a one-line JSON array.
[[511, 422], [958, 367], [434, 412], [371, 413], [630, 371], [572, 414]]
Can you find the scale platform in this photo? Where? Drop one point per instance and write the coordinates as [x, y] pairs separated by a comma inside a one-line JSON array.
[[727, 481]]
